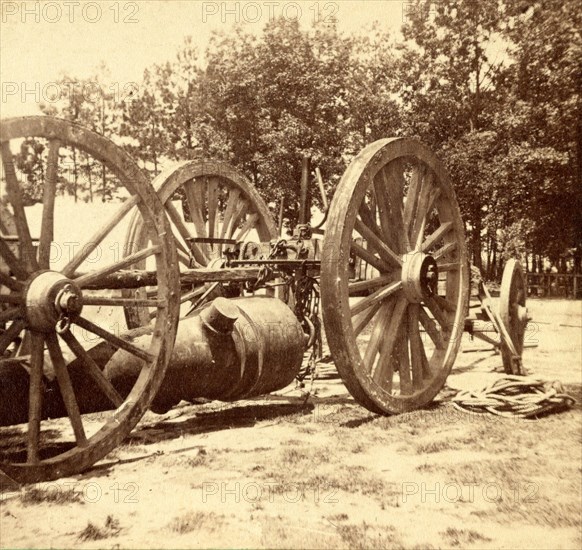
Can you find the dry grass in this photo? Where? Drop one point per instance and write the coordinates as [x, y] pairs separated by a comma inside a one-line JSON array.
[[435, 446], [196, 521], [534, 510], [338, 517], [319, 470], [277, 535], [463, 537], [37, 495], [95, 532], [296, 456], [365, 537], [519, 489]]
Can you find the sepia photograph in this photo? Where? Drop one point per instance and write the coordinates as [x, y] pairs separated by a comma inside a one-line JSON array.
[[291, 274]]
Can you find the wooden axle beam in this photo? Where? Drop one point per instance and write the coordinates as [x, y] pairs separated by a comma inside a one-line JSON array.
[[140, 278]]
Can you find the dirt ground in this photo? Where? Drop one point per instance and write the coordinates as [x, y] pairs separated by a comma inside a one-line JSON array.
[[320, 471]]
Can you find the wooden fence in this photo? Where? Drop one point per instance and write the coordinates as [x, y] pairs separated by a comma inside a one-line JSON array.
[[557, 285]]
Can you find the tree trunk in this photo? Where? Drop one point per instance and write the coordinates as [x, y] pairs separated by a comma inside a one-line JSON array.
[[75, 174], [491, 249], [476, 242], [89, 170], [103, 182]]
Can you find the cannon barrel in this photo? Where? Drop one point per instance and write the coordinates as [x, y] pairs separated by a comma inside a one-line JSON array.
[[232, 349]]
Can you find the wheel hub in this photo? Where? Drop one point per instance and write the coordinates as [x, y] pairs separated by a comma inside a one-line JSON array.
[[419, 276], [50, 298]]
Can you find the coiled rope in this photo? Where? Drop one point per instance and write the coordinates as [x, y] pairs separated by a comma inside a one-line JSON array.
[[515, 396]]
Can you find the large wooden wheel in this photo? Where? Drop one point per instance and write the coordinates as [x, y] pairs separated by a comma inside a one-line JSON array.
[[513, 315], [52, 313], [205, 201], [394, 335]]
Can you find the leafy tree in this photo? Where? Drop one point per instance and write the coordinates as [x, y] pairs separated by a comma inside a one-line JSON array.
[[92, 103], [29, 162], [541, 121], [277, 98], [373, 107], [143, 122], [492, 85]]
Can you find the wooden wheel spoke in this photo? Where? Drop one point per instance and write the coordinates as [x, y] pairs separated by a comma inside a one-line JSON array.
[[195, 195], [179, 224], [185, 259], [66, 387], [403, 357], [378, 331], [184, 255], [377, 297], [93, 277], [441, 316], [9, 282], [114, 340], [419, 235], [10, 313], [185, 233], [383, 250], [362, 320], [14, 264], [249, 224], [390, 335], [432, 329], [385, 198], [389, 233], [35, 396], [93, 369], [412, 197], [370, 284], [422, 209], [417, 353], [369, 220], [179, 244], [15, 198], [189, 296], [445, 249], [434, 237], [240, 213], [10, 334], [371, 258], [48, 205], [445, 304], [434, 194], [212, 189], [233, 198], [394, 182], [98, 237]]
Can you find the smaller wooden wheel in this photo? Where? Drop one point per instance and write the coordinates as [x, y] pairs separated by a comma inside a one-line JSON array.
[[513, 315], [211, 205], [395, 325]]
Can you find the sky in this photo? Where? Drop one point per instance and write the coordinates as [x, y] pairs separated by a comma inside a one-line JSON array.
[[40, 41]]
